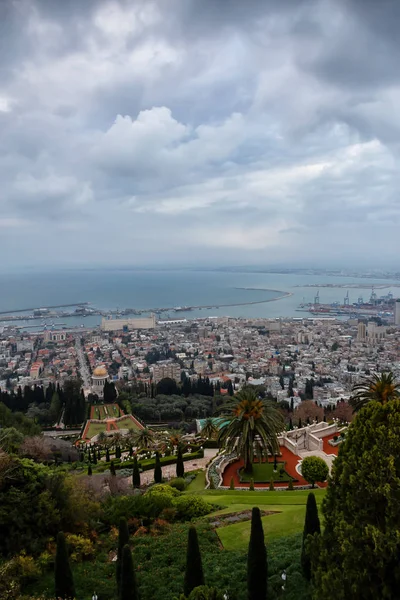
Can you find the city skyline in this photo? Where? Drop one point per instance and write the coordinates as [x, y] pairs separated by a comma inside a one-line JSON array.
[[146, 134]]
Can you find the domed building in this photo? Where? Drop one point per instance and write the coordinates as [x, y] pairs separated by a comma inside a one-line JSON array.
[[99, 377]]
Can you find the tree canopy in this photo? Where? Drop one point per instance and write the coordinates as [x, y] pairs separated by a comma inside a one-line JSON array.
[[357, 555]]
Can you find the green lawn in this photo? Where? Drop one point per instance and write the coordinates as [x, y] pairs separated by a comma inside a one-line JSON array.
[[95, 429], [198, 484], [289, 520], [264, 472]]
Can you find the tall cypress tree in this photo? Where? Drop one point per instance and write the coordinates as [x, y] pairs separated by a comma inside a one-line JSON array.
[[64, 582], [180, 468], [123, 540], [257, 565], [157, 470], [107, 455], [194, 569], [128, 586], [112, 468], [311, 526], [89, 471], [135, 474]]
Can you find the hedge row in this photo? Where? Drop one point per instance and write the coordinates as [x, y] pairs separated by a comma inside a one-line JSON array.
[[149, 463]]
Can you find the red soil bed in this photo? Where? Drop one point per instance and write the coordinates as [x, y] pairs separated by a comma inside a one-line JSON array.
[[291, 462], [328, 449]]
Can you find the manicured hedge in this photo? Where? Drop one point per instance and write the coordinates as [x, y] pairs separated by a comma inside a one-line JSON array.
[[149, 463]]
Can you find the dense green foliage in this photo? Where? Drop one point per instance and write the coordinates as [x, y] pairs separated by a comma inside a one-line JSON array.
[[357, 555], [313, 469], [64, 582], [194, 576], [311, 527], [36, 501], [257, 566]]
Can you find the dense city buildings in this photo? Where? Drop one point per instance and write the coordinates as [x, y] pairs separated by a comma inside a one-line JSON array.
[[280, 354]]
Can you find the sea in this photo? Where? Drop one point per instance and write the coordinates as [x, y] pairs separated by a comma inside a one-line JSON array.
[[139, 289]]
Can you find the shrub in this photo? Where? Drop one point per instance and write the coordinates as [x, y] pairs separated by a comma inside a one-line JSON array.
[[168, 514], [82, 548], [203, 592], [232, 484], [271, 486], [335, 438], [251, 486], [290, 485], [178, 483], [281, 472], [190, 507], [162, 488]]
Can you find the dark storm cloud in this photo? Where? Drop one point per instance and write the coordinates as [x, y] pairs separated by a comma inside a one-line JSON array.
[[244, 125]]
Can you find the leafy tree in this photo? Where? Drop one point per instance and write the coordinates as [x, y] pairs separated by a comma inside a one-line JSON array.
[[382, 388], [10, 439], [194, 569], [135, 474], [357, 555], [128, 587], [311, 527], [123, 539], [157, 470], [257, 565], [64, 582], [245, 418], [180, 468], [313, 469]]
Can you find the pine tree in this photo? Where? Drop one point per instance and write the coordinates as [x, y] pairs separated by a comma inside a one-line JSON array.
[[64, 582], [123, 539], [112, 469], [135, 474], [194, 569], [157, 470], [257, 565], [89, 471], [128, 586], [180, 468], [311, 526]]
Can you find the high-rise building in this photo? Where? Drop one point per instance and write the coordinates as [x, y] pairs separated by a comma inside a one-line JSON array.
[[397, 312]]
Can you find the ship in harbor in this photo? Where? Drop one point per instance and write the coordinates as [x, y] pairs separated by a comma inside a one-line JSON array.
[[182, 308]]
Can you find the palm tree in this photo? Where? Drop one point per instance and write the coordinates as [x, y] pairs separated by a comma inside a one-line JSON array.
[[245, 420], [209, 430], [144, 439], [381, 388]]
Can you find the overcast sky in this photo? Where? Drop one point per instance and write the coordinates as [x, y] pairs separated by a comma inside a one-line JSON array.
[[199, 132]]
